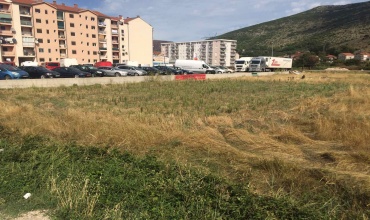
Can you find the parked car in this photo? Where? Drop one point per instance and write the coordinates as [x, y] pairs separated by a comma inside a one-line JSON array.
[[133, 71], [103, 63], [227, 70], [11, 72], [113, 71], [153, 71], [184, 71], [91, 69], [70, 72], [169, 70], [40, 72], [218, 69]]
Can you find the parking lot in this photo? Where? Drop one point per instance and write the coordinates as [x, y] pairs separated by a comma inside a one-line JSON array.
[[56, 82]]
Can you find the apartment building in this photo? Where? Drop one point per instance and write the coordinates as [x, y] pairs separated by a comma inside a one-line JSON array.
[[217, 52], [34, 30]]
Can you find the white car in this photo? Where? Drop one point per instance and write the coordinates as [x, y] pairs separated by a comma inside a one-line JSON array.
[[218, 69], [227, 70], [113, 71]]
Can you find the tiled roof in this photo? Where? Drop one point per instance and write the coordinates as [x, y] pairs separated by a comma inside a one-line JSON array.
[[99, 14]]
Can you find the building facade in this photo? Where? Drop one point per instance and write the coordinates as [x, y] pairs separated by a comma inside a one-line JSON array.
[[218, 52], [34, 30]]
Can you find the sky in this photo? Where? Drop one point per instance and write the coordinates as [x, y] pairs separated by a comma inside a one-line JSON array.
[[194, 20]]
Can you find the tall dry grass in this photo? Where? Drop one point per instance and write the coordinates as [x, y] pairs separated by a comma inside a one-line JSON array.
[[283, 135]]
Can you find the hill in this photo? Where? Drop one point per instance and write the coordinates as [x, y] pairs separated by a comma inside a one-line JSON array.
[[328, 29]]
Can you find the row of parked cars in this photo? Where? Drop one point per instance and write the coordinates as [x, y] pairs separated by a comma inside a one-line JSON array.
[[76, 71]]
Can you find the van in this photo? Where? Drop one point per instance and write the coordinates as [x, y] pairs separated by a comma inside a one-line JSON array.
[[66, 62], [103, 63], [195, 66], [50, 65], [29, 63]]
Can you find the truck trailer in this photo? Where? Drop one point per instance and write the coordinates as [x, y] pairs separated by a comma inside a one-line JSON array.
[[242, 64], [66, 62], [263, 64]]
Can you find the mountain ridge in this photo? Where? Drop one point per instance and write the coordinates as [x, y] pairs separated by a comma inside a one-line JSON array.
[[328, 29]]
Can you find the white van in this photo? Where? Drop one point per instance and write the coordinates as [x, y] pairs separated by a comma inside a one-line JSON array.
[[29, 63], [195, 66], [66, 62]]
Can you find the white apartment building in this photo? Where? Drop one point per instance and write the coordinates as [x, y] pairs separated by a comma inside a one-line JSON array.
[[217, 52]]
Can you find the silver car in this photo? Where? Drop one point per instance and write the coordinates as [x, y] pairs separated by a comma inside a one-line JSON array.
[[133, 71], [113, 71]]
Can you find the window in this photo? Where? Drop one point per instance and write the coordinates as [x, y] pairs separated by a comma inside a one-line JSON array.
[[93, 27], [47, 21], [72, 25], [71, 15], [41, 50], [47, 31], [46, 12], [49, 50], [94, 44], [40, 40], [42, 60], [73, 42], [88, 43], [38, 20], [74, 52], [39, 31], [48, 41], [92, 19], [93, 36], [87, 35], [37, 10], [88, 52], [95, 53], [50, 59], [85, 17], [87, 26], [73, 34]]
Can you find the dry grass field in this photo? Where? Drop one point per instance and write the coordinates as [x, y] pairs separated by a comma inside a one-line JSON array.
[[306, 139]]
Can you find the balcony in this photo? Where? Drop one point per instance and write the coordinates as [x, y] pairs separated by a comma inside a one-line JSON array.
[[114, 26], [6, 21], [6, 33], [116, 57], [114, 32], [27, 33], [63, 55], [114, 42], [26, 23], [102, 48], [102, 40], [28, 44], [102, 24], [62, 46], [115, 48], [102, 32], [29, 53], [25, 13], [61, 27], [8, 53]]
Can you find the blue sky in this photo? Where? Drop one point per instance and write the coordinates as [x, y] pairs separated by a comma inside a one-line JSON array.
[[192, 20]]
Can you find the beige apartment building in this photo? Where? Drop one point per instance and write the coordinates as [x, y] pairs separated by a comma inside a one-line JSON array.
[[34, 30], [218, 52]]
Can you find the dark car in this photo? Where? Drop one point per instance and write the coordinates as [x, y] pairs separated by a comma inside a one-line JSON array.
[[70, 72], [153, 71], [39, 72], [169, 70], [91, 69], [183, 70]]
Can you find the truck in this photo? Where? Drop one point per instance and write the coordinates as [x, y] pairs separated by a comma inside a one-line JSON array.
[[29, 63], [66, 62], [263, 64], [195, 66], [242, 64]]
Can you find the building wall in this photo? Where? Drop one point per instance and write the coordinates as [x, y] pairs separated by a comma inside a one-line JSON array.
[[45, 32], [140, 42], [71, 32]]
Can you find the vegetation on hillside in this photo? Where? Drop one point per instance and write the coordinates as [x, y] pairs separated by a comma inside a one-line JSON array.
[[322, 30], [277, 147]]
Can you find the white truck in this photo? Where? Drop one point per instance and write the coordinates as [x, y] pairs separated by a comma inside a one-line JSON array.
[[66, 62], [195, 66], [242, 64], [263, 64], [29, 63]]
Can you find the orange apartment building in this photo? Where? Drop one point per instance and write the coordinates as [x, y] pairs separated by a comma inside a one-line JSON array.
[[34, 30]]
